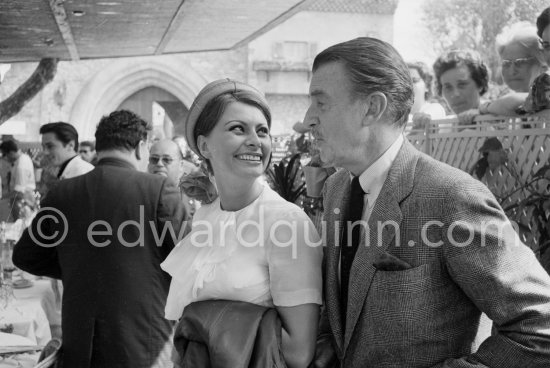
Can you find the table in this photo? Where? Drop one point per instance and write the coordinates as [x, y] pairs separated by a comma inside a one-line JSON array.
[[42, 293], [29, 318], [25, 315], [17, 360]]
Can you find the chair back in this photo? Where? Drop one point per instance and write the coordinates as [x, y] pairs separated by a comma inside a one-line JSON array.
[[50, 353]]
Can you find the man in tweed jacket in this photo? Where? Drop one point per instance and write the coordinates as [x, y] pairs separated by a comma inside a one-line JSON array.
[[435, 253]]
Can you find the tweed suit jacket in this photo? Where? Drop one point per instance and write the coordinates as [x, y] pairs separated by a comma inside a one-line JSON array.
[[432, 216]]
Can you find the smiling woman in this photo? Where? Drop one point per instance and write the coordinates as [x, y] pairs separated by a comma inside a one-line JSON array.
[[249, 245]]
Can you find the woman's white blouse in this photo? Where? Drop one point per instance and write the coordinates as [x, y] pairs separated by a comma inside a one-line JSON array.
[[268, 253]]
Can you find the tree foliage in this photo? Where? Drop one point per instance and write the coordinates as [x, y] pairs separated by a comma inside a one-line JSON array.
[[474, 24]]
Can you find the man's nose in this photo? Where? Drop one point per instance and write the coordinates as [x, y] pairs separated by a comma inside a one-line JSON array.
[[310, 119]]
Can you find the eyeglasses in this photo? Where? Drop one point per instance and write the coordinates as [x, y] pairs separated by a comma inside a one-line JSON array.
[[166, 160], [518, 63], [545, 44]]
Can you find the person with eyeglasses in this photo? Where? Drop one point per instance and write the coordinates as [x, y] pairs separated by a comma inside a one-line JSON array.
[[166, 159], [521, 56], [522, 60]]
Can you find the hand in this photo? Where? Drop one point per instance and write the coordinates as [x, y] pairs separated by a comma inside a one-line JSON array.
[[467, 117], [325, 356], [420, 120]]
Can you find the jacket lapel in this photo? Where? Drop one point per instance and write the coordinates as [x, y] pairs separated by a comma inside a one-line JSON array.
[[386, 216], [336, 203]]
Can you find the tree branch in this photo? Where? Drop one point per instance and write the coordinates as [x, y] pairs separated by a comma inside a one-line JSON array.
[[44, 74]]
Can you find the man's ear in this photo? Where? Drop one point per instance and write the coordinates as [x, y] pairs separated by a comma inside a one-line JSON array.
[[71, 145], [138, 149], [203, 146], [376, 105]]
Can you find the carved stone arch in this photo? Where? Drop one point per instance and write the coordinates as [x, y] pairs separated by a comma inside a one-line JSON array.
[[112, 85]]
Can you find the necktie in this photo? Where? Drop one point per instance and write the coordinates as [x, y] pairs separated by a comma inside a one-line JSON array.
[[350, 242]]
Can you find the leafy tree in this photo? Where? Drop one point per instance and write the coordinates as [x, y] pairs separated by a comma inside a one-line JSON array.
[[474, 24]]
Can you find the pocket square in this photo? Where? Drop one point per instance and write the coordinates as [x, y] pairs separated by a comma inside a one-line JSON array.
[[388, 262]]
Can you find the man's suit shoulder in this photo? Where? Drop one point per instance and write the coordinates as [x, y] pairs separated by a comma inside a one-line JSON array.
[[433, 174], [111, 174]]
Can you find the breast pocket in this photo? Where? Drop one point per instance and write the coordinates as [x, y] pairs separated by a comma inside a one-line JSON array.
[[415, 294], [413, 280]]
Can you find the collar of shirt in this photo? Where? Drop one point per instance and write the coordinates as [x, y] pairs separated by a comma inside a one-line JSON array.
[[373, 178], [64, 166]]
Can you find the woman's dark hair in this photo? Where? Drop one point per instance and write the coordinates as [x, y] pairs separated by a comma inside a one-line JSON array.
[[543, 21], [457, 58], [214, 109], [425, 73], [538, 91], [120, 130]]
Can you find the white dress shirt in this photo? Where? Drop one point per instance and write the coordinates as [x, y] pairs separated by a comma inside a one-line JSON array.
[[373, 178], [22, 174]]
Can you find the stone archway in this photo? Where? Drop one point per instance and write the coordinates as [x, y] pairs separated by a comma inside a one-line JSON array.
[[112, 85]]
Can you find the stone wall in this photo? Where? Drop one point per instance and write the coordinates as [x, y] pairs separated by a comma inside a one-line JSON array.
[[56, 101]]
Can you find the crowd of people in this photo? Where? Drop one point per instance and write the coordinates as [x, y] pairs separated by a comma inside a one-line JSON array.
[[414, 264], [462, 78]]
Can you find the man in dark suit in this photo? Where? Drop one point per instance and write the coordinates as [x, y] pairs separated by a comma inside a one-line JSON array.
[[431, 251], [102, 234]]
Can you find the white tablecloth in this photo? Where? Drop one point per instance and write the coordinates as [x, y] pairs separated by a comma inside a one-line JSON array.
[[31, 313], [20, 360], [41, 291], [28, 319]]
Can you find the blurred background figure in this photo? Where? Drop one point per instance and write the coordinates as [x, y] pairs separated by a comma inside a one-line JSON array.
[[87, 152], [22, 169], [21, 183], [60, 144], [521, 38], [521, 55], [543, 31], [166, 159], [461, 79], [423, 109]]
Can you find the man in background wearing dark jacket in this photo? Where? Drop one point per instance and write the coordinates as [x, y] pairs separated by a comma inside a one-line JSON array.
[[103, 235]]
